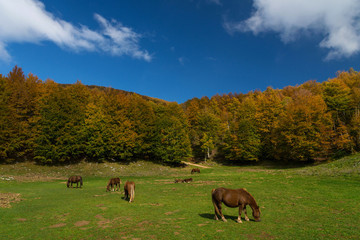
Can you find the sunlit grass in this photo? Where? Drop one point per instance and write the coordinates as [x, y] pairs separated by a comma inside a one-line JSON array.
[[294, 204]]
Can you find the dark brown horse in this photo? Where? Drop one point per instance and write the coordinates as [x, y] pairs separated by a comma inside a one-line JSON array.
[[129, 188], [234, 198], [113, 182], [194, 170], [75, 179], [187, 180]]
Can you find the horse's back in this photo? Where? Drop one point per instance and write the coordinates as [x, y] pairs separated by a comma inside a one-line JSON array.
[[230, 197], [75, 178], [128, 185]]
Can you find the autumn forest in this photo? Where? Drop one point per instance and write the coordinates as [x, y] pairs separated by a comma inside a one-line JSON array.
[[53, 123]]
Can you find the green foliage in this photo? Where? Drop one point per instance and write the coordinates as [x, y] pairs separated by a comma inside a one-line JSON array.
[[4, 119], [171, 141], [54, 123], [19, 113], [304, 128], [242, 141], [60, 126]]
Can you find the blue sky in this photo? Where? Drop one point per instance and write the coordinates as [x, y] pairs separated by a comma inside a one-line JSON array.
[[180, 49]]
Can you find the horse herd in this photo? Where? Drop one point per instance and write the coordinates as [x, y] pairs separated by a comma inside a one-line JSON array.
[[230, 197], [113, 184]]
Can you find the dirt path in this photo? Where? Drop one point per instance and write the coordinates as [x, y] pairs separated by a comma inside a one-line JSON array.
[[197, 165]]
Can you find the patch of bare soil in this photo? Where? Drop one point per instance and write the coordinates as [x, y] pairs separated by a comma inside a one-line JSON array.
[[146, 223], [103, 223], [152, 204], [163, 181], [58, 225], [197, 165], [21, 219], [101, 206], [7, 198], [62, 217], [36, 178], [170, 213], [81, 223], [201, 183], [100, 195]]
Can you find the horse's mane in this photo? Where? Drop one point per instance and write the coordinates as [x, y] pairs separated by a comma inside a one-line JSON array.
[[244, 189]]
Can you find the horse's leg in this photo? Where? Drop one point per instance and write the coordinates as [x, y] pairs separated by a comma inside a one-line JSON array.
[[222, 216], [215, 209], [241, 207], [218, 208], [126, 194], [246, 216], [216, 217]]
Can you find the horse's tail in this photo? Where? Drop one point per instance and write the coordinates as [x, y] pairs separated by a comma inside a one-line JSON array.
[[81, 182], [214, 203], [68, 183], [132, 193]]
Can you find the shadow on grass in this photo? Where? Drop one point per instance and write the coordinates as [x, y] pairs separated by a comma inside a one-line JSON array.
[[211, 216], [234, 218]]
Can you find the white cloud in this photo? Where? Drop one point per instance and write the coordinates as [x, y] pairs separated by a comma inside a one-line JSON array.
[[338, 21], [28, 21]]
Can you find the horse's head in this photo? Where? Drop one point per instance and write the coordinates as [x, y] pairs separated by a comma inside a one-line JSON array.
[[256, 214]]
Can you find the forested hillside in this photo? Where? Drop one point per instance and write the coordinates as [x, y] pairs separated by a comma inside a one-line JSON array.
[[53, 123]]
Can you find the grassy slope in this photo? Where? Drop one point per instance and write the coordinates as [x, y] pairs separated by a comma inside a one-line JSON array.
[[320, 202]]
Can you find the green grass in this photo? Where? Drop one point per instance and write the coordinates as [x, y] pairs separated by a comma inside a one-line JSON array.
[[320, 202]]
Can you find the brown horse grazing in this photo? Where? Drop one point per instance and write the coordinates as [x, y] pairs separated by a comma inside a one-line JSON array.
[[194, 170], [113, 182], [187, 180], [234, 198], [129, 188], [178, 180], [75, 179]]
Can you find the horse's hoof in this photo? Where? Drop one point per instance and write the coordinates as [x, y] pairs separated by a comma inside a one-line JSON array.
[[224, 220], [239, 221], [247, 219]]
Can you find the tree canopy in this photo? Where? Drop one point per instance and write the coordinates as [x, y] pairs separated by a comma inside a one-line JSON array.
[[54, 123]]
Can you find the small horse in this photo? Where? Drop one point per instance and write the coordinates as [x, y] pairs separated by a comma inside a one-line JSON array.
[[113, 182], [75, 179], [194, 170], [187, 180], [178, 180], [129, 188], [234, 198]]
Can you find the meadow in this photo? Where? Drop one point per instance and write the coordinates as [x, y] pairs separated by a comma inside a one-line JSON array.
[[312, 202]]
